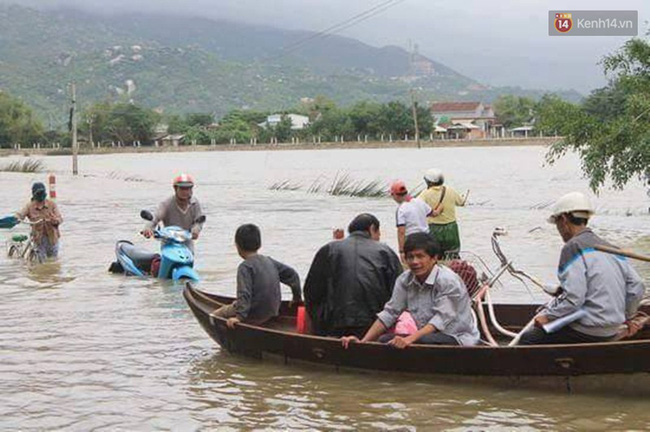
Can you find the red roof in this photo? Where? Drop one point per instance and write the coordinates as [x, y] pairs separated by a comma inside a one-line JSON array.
[[454, 106]]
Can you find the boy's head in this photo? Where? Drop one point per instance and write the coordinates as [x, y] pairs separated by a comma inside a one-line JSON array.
[[398, 191], [248, 239], [422, 253]]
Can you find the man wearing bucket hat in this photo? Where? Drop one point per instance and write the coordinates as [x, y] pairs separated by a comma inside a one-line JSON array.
[[181, 209], [602, 290], [411, 214], [442, 222], [45, 218]]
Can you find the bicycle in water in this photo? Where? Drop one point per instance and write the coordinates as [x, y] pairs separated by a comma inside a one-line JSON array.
[[23, 246]]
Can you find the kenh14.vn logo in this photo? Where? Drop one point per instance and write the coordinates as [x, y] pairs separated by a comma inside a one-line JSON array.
[[563, 22]]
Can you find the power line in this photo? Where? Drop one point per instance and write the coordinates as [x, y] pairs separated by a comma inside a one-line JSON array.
[[350, 22]]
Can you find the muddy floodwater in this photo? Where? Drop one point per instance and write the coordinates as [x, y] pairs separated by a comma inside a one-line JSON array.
[[81, 349]]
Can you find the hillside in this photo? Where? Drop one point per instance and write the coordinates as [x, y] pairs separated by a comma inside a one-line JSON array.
[[182, 64]]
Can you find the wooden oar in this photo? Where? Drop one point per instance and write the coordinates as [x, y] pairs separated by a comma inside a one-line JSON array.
[[623, 252]]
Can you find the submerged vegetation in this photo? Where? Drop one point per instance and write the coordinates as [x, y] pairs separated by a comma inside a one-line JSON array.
[[286, 185], [24, 166], [116, 175], [343, 184]]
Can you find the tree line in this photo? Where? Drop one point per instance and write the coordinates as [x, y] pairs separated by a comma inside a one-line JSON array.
[[126, 123], [609, 129]]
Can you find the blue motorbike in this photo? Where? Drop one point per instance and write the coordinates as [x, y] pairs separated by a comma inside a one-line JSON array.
[[175, 260]]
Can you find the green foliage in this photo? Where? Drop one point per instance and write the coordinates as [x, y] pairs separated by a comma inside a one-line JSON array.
[[513, 111], [425, 119], [611, 130], [123, 122], [282, 130], [176, 124], [197, 134], [199, 119], [18, 125]]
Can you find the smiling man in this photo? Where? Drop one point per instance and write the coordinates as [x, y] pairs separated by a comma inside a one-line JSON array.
[[434, 295]]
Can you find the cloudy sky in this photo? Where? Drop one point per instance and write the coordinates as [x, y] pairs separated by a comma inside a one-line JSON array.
[[502, 42]]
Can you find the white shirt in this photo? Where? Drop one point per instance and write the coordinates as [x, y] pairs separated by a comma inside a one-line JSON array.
[[413, 216]]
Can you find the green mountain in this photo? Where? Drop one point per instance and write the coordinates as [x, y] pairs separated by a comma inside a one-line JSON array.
[[184, 64]]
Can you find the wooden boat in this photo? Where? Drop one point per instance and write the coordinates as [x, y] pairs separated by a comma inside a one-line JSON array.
[[279, 338]]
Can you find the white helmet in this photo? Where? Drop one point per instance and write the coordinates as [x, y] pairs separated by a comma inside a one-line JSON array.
[[575, 203], [434, 175]]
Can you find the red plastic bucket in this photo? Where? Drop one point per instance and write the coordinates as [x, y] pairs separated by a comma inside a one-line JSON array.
[[301, 320]]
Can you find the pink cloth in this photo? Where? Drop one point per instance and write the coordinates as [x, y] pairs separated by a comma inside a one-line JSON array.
[[405, 324]]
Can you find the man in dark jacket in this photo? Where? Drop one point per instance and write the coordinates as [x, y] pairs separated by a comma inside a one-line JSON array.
[[350, 280]]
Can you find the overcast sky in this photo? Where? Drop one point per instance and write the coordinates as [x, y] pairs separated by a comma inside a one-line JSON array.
[[500, 42]]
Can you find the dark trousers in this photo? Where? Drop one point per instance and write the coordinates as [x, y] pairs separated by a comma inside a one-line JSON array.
[[566, 335], [435, 338]]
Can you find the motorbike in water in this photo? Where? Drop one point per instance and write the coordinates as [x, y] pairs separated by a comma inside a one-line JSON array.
[[175, 260]]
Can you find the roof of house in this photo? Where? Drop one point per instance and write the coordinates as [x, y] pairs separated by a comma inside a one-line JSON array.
[[463, 125], [454, 106], [522, 129]]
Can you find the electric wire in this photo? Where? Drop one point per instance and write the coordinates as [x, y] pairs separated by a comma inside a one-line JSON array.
[[336, 28]]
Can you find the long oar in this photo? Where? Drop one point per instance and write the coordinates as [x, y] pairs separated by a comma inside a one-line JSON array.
[[623, 252]]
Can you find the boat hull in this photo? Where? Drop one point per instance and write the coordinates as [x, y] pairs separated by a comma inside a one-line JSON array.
[[624, 357]]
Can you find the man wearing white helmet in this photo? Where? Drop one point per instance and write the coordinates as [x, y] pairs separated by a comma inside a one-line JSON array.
[[442, 222], [604, 286], [182, 209]]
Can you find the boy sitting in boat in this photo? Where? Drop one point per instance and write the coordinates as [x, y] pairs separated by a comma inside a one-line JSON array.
[[258, 282], [434, 295], [600, 291]]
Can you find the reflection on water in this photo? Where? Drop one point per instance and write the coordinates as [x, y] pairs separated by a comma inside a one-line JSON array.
[[82, 349], [237, 390]]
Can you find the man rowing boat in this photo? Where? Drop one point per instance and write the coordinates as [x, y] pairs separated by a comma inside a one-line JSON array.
[[602, 290]]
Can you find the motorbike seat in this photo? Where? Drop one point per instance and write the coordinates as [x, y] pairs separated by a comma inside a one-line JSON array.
[[141, 257]]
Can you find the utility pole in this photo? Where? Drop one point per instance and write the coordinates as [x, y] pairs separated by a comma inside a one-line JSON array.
[[89, 120], [415, 119], [73, 125]]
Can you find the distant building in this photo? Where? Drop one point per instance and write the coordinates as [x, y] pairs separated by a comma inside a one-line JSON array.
[[461, 130], [469, 119], [298, 122], [168, 140], [522, 131]]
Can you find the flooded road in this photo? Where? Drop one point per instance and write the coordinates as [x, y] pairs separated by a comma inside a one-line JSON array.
[[81, 349]]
